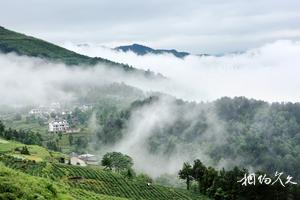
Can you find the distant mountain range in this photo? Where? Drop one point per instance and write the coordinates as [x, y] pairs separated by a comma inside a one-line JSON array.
[[143, 50], [22, 44]]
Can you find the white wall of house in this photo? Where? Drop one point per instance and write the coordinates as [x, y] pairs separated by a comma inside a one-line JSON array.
[[77, 161], [58, 126]]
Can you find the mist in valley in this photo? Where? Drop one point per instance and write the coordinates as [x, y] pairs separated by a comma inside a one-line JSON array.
[[268, 73]]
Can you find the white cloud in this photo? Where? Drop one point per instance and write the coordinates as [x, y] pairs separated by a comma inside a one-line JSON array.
[[195, 26], [268, 73], [26, 80]]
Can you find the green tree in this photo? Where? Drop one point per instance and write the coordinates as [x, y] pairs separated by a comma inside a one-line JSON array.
[[70, 139], [209, 178], [25, 151], [117, 161], [199, 171], [107, 162], [81, 142], [129, 173], [144, 178], [2, 129], [186, 173]]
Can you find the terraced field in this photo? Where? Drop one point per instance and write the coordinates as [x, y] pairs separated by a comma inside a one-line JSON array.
[[18, 185], [104, 182], [98, 181]]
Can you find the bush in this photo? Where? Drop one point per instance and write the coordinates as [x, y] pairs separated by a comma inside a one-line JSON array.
[[144, 178], [25, 151]]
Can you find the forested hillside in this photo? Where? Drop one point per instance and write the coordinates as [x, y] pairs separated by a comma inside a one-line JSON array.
[[239, 131], [160, 132], [143, 50], [22, 44]]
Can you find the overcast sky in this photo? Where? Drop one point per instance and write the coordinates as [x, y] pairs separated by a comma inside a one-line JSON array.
[[197, 26]]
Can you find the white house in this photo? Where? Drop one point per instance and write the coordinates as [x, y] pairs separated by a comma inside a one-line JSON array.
[[85, 108], [35, 111], [89, 159], [58, 126], [77, 161]]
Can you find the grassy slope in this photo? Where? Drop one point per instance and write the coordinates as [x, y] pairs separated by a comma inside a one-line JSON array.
[[21, 44], [94, 182], [23, 125], [18, 185], [102, 182], [37, 153]]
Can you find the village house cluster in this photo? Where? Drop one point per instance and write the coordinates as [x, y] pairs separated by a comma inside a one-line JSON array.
[[58, 118]]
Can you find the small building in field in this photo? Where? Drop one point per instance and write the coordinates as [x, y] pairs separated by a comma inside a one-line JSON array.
[[77, 161], [89, 159], [57, 126]]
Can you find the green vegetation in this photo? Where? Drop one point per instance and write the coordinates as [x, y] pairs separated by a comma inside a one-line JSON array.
[[266, 134], [26, 125], [33, 152], [106, 100], [234, 131], [21, 44], [18, 185], [96, 180], [26, 137], [244, 131], [143, 50], [63, 181], [186, 173], [227, 185], [117, 161]]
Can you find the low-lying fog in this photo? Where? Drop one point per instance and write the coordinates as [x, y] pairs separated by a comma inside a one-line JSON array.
[[270, 73]]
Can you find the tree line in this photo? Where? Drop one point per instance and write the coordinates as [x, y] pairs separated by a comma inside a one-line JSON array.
[[23, 136], [267, 134], [237, 183], [122, 164]]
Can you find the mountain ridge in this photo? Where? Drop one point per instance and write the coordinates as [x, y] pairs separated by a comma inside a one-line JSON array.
[[11, 41], [24, 45], [143, 50]]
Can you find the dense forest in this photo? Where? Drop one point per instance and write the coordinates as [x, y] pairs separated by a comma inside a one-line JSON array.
[[239, 131], [229, 131], [217, 184], [237, 183], [26, 137]]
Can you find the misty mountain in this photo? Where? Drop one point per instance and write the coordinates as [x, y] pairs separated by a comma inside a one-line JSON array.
[[24, 45], [143, 50], [227, 132]]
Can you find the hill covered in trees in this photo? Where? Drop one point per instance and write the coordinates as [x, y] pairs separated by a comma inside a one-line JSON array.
[[22, 44], [38, 173], [227, 132], [154, 130], [143, 50], [238, 183]]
